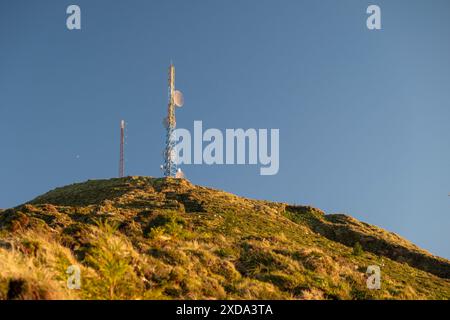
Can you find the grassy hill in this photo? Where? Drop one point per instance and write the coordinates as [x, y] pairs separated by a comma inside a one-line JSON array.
[[147, 238]]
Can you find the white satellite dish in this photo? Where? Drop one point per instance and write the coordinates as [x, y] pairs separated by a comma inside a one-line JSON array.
[[178, 98]]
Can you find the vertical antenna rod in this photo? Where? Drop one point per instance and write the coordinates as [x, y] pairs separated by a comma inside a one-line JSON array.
[[122, 142]]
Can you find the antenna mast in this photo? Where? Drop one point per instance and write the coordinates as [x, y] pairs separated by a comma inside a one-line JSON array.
[[122, 142], [175, 100]]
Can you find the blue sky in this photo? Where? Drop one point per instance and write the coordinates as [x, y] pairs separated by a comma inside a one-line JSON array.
[[363, 115]]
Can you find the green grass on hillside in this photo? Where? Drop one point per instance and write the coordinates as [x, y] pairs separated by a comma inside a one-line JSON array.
[[146, 238]]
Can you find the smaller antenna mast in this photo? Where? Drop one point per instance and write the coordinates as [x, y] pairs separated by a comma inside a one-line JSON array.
[[122, 142]]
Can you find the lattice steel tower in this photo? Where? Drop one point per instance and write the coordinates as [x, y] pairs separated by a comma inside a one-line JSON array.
[[175, 100]]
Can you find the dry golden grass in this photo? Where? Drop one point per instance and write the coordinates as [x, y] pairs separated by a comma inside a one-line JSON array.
[[145, 238], [33, 268]]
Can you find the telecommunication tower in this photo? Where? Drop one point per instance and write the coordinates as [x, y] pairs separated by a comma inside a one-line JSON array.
[[175, 100], [122, 142]]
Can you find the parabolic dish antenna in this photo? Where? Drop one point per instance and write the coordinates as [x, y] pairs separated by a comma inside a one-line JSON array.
[[178, 98]]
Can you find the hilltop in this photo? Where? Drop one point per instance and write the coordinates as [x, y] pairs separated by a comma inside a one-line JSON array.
[[150, 238]]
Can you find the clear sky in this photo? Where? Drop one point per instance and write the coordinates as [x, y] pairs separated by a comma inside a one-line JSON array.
[[363, 115]]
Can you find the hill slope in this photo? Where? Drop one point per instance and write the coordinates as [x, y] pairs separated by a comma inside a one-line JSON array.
[[147, 238]]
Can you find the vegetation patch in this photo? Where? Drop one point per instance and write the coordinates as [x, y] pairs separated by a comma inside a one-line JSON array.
[[147, 238]]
